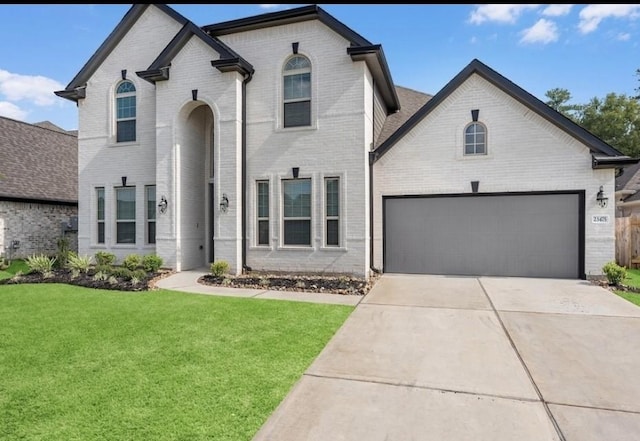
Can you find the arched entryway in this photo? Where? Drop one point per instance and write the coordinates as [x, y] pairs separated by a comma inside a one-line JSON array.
[[196, 159]]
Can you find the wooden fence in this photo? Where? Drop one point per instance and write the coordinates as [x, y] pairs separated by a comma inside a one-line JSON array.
[[627, 240]]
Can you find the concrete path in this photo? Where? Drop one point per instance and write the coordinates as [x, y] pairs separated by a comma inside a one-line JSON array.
[[463, 358], [187, 281]]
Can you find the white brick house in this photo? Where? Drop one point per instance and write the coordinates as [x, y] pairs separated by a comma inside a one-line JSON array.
[[280, 142]]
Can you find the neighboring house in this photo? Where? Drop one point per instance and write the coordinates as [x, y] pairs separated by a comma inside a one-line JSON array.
[[280, 142], [627, 196], [38, 188]]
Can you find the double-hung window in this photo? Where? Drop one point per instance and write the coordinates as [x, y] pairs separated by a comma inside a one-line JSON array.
[[297, 92], [126, 112], [332, 211], [297, 211], [262, 193], [150, 195], [100, 214], [126, 215]]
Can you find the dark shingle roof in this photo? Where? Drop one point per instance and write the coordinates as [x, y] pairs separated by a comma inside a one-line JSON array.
[[630, 178], [410, 102], [37, 163]]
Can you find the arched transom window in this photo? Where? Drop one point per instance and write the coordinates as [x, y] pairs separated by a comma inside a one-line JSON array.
[[297, 92], [126, 112], [475, 139]]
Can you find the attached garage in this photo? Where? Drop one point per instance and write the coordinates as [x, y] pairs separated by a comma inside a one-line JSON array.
[[506, 234]]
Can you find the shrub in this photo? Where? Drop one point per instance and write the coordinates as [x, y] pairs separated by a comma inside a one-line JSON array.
[[105, 258], [41, 264], [219, 268], [63, 253], [151, 263], [106, 269], [139, 274], [4, 264], [132, 261], [79, 263], [614, 272], [121, 272]]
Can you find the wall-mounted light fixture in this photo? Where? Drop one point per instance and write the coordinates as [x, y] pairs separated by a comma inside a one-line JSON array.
[[162, 205], [601, 198], [295, 171], [124, 181], [224, 203]]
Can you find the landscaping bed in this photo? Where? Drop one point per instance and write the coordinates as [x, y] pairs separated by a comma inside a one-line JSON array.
[[328, 284]]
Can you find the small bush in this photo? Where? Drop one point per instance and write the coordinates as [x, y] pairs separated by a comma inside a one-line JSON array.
[[103, 269], [4, 264], [219, 268], [132, 261], [139, 274], [100, 276], [105, 258], [79, 263], [63, 253], [41, 264], [151, 263], [122, 272], [614, 272]]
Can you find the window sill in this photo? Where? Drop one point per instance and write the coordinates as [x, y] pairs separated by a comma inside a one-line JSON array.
[[297, 129], [124, 144], [261, 248], [334, 249], [306, 248]]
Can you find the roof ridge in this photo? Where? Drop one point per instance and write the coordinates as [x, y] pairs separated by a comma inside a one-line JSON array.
[[66, 132]]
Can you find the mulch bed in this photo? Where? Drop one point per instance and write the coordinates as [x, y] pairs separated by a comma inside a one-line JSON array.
[[328, 284]]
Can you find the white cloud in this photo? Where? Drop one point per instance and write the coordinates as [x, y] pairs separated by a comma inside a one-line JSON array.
[[592, 15], [544, 31], [498, 13], [10, 110], [557, 10], [269, 6], [624, 36], [473, 40], [33, 88]]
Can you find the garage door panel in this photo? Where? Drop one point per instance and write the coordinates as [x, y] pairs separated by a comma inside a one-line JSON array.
[[502, 235]]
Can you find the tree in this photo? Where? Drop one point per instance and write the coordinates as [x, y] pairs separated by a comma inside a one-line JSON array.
[[558, 100], [638, 88], [615, 120]]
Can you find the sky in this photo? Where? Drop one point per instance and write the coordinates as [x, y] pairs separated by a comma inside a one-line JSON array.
[[589, 49]]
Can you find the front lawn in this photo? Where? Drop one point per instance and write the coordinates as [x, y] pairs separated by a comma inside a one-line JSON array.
[[633, 278], [83, 364], [633, 297]]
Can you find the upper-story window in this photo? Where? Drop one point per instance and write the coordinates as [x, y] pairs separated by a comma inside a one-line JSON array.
[[475, 139], [126, 112], [297, 92]]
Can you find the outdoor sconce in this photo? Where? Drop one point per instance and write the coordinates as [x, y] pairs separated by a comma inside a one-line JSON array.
[[162, 206], [601, 198], [224, 203], [295, 171]]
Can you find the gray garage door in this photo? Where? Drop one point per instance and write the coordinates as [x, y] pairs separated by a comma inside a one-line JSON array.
[[532, 235]]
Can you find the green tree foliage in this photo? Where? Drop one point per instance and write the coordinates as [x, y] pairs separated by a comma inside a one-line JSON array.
[[615, 119]]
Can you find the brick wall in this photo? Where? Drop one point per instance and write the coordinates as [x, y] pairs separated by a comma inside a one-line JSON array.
[[36, 226]]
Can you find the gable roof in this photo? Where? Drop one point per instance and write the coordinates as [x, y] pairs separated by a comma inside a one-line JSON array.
[[37, 164], [629, 179], [410, 101], [603, 155], [229, 59], [75, 89], [361, 49]]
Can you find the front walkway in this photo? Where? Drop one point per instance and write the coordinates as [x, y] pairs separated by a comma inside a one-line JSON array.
[[464, 358]]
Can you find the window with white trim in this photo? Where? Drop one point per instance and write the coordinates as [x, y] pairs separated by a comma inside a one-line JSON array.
[[262, 203], [126, 215], [297, 92], [126, 112], [296, 196], [150, 196], [100, 214], [332, 211], [475, 139]]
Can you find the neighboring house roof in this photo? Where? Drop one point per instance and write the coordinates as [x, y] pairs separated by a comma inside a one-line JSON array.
[[361, 49], [51, 126], [603, 155], [37, 163], [629, 179], [410, 101]]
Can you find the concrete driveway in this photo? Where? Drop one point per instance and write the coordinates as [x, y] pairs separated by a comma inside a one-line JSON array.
[[464, 358]]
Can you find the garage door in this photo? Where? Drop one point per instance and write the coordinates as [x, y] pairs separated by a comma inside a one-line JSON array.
[[526, 235]]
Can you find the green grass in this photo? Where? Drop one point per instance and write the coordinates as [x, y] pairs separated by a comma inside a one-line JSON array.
[[83, 364], [15, 266], [633, 278], [633, 297]]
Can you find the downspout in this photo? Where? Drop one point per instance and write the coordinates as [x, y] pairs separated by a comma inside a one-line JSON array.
[[247, 77], [372, 156]]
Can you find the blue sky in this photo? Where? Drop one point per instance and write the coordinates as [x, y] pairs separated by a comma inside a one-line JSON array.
[[591, 50]]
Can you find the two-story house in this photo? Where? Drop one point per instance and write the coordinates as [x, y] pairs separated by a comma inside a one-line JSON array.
[[280, 142]]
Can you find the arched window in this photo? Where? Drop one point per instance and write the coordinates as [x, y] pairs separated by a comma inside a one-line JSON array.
[[126, 112], [297, 92], [475, 139]]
